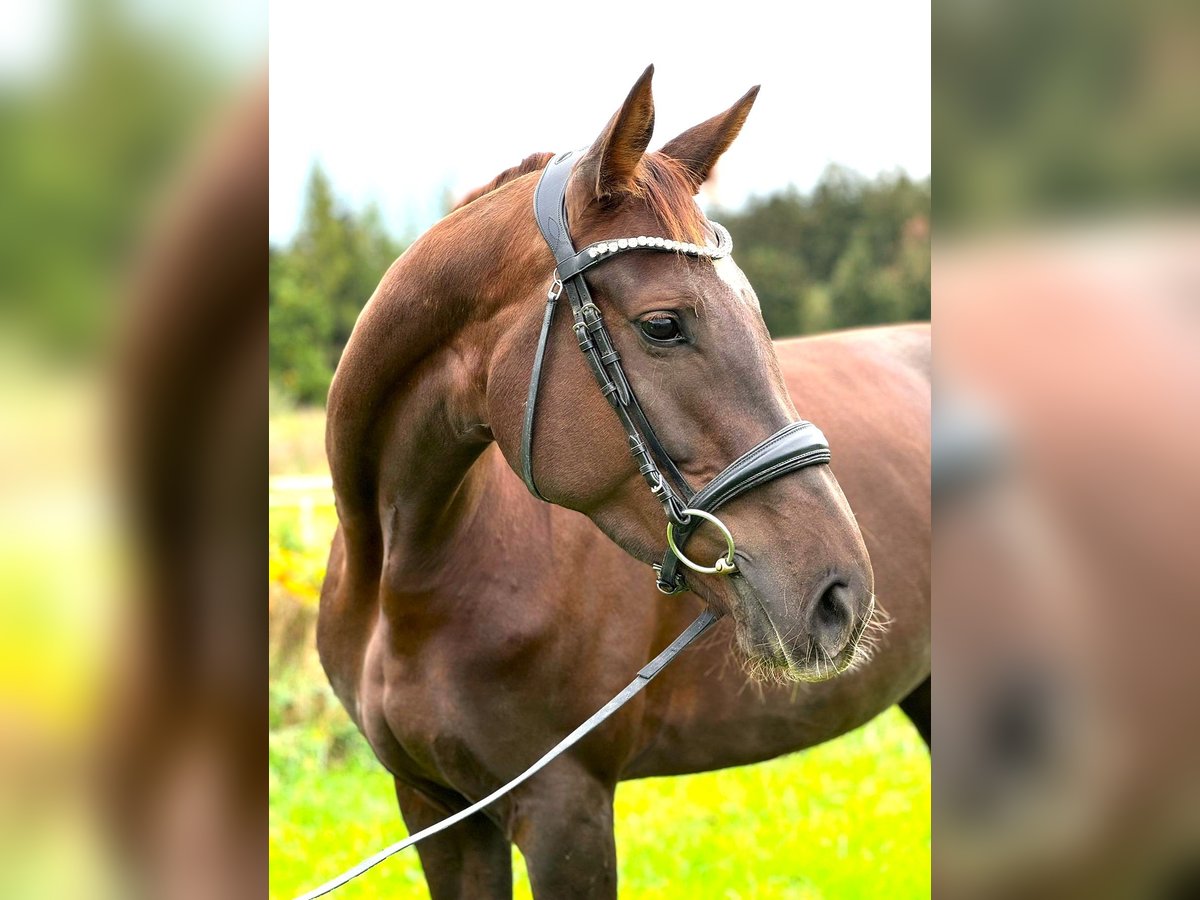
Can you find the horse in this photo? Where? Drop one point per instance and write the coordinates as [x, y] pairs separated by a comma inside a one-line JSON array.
[[1066, 581], [466, 625], [1017, 791], [181, 719]]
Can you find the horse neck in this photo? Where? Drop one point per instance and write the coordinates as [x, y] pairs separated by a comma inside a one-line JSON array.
[[407, 417]]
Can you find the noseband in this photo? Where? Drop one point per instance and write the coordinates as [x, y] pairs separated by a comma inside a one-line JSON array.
[[795, 446]]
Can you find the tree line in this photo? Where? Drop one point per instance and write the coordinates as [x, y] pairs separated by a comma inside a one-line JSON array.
[[853, 251]]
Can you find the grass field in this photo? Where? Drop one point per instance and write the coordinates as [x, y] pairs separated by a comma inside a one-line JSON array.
[[848, 819]]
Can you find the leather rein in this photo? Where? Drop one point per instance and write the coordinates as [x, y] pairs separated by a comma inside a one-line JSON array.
[[795, 446]]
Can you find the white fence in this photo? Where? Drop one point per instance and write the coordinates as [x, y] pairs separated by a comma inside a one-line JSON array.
[[303, 492]]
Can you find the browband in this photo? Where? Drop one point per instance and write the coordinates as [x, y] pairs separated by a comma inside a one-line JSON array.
[[795, 446]]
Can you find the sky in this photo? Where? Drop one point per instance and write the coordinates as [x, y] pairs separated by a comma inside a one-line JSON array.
[[228, 34], [402, 103]]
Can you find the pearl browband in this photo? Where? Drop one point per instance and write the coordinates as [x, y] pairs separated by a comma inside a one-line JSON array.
[[655, 243], [602, 250]]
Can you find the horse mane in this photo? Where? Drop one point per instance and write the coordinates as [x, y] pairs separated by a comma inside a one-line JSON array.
[[662, 182], [532, 163]]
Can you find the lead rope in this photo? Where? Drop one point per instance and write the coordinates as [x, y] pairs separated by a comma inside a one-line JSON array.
[[643, 678]]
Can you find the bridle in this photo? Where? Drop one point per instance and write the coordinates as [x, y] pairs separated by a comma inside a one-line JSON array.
[[795, 446]]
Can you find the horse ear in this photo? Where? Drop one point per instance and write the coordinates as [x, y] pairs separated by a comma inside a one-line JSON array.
[[700, 147], [608, 167]]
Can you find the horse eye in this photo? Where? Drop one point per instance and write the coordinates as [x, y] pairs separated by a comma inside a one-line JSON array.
[[663, 329]]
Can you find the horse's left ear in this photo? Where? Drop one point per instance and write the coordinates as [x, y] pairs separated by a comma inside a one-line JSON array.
[[700, 147]]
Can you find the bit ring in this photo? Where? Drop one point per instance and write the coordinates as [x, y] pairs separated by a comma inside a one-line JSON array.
[[724, 565]]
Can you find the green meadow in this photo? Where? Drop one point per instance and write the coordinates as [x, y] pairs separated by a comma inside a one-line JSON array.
[[847, 819], [844, 820]]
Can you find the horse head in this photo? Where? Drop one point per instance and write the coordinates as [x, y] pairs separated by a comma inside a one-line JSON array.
[[691, 339]]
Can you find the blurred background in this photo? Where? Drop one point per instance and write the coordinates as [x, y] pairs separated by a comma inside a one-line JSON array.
[[1066, 296], [375, 136], [122, 126]]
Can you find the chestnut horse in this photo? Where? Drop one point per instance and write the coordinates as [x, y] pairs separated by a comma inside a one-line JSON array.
[[467, 625]]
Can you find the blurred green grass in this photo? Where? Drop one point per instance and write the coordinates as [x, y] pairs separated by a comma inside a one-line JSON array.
[[847, 819], [844, 820]]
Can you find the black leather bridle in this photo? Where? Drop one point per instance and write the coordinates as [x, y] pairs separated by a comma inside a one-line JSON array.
[[795, 446]]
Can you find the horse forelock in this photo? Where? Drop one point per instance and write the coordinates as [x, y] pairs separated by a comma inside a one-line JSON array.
[[663, 184]]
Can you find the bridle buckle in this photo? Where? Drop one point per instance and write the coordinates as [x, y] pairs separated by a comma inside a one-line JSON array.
[[556, 288], [664, 586]]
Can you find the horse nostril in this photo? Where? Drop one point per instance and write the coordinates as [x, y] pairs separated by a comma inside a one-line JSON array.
[[1014, 746], [832, 618]]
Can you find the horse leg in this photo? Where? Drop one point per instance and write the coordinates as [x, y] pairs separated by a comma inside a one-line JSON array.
[[917, 706], [564, 829], [471, 859]]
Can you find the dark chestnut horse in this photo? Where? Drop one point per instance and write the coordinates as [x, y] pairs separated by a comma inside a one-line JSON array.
[[467, 626]]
